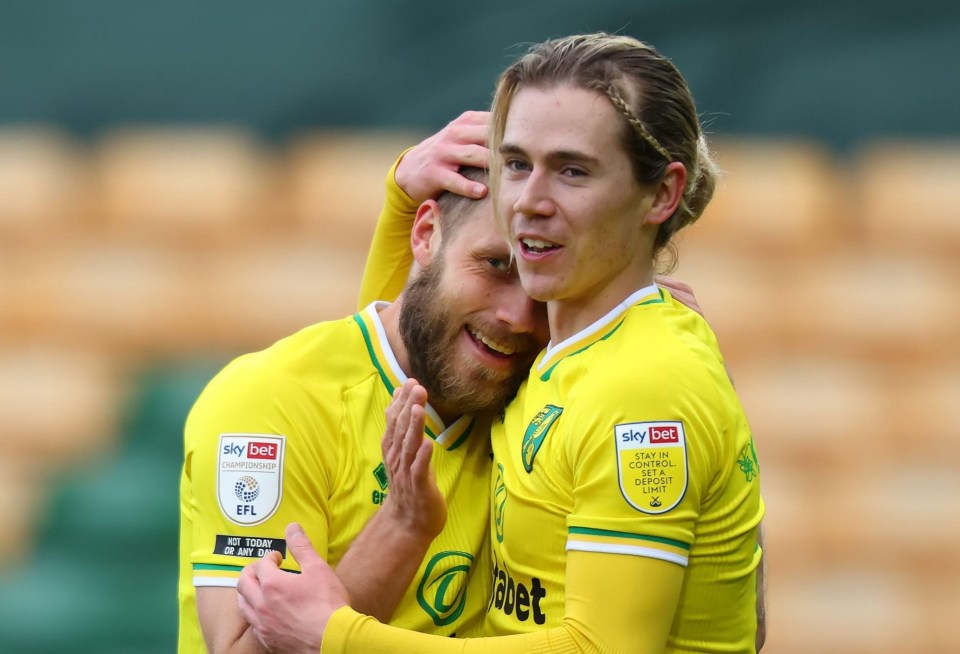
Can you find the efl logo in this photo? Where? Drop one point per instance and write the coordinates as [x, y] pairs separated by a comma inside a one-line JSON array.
[[262, 450], [664, 434]]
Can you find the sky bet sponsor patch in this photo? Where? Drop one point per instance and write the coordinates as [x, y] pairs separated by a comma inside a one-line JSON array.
[[250, 476], [652, 464]]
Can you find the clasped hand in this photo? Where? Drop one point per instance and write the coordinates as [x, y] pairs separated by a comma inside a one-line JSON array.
[[289, 612]]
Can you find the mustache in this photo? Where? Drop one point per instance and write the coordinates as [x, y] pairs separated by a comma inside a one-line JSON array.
[[524, 344]]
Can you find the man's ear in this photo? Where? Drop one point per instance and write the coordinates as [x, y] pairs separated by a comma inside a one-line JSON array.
[[425, 236], [668, 193]]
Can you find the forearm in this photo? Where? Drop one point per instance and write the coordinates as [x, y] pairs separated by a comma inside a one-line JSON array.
[[596, 618], [761, 592], [377, 576], [389, 260], [224, 629], [244, 642], [352, 633]]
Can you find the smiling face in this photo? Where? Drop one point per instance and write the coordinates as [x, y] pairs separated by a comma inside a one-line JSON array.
[[577, 217], [469, 329]]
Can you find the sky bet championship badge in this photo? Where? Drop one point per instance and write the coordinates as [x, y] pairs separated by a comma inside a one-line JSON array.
[[249, 477], [652, 458]]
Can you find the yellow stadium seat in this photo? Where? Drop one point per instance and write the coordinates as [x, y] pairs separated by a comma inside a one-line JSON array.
[[773, 195], [890, 306], [119, 298], [42, 184], [24, 479], [814, 410], [903, 510], [908, 194], [928, 412], [852, 608], [57, 403], [335, 181], [187, 184], [262, 292]]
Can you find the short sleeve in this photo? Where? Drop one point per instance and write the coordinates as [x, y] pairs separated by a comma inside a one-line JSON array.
[[253, 464], [640, 467]]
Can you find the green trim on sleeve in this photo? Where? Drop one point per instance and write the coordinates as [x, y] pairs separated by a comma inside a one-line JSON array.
[[587, 531], [211, 566], [230, 568]]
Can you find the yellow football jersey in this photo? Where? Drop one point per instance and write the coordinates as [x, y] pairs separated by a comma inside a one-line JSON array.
[[628, 439], [293, 433]]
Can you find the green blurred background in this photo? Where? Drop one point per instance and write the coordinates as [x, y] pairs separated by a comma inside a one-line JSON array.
[[183, 183], [839, 71]]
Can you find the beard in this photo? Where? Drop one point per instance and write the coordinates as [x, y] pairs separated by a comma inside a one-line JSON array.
[[430, 336]]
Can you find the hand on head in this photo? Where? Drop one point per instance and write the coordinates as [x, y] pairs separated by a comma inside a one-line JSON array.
[[289, 612], [432, 166], [414, 499]]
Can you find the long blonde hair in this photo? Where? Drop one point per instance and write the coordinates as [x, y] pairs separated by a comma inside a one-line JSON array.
[[661, 124]]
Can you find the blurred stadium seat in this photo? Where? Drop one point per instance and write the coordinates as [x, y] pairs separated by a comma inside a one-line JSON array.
[[832, 286], [854, 607], [103, 574], [774, 196], [926, 411], [741, 295], [57, 404], [115, 296], [44, 192], [887, 306], [335, 182], [909, 195], [261, 292], [26, 483], [814, 411], [185, 184]]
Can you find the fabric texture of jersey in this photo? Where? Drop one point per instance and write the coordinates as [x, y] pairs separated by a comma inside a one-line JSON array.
[[628, 439], [293, 433]]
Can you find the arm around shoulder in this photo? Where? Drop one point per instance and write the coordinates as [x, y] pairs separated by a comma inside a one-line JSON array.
[[421, 173], [596, 619], [389, 260]]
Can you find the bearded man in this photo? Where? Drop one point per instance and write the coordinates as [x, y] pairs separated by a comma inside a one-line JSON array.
[[294, 432]]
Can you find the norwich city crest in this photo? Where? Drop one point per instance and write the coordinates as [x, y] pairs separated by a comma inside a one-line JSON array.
[[536, 432]]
